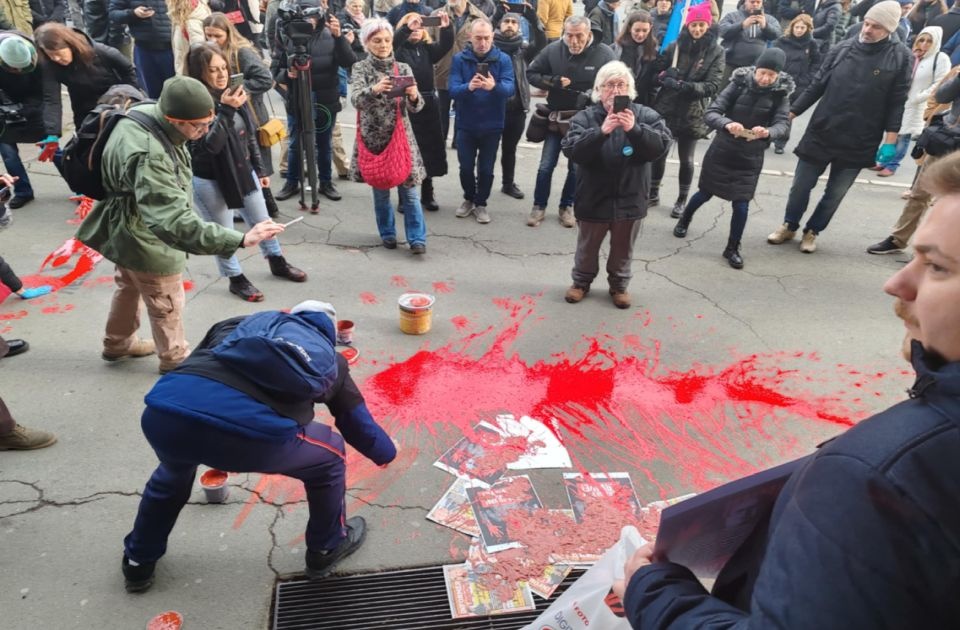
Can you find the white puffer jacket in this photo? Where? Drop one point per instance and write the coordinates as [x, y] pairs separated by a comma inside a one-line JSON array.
[[933, 67]]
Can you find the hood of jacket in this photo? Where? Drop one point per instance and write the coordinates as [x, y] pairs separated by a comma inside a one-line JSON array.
[[784, 82], [936, 33], [933, 373]]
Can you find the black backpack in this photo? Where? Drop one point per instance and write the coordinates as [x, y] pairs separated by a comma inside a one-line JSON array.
[[82, 155]]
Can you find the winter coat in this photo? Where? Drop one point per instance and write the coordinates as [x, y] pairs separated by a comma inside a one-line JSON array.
[[96, 20], [229, 154], [154, 32], [481, 110], [85, 84], [803, 59], [441, 72], [257, 81], [556, 61], [521, 53], [862, 89], [789, 9], [377, 113], [397, 12], [44, 11], [612, 186], [743, 46], [247, 11], [147, 222], [731, 165], [700, 69], [644, 71], [866, 534], [553, 13], [952, 48], [327, 54], [18, 15], [924, 13], [606, 21], [926, 76], [347, 22], [825, 23], [26, 90], [185, 35], [660, 23], [949, 22], [949, 92]]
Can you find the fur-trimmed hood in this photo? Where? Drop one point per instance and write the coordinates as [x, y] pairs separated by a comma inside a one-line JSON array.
[[784, 82]]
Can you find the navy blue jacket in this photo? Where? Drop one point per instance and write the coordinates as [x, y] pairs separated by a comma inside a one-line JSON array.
[[481, 110], [865, 535]]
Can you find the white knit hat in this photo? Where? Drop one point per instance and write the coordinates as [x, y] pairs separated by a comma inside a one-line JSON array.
[[886, 14]]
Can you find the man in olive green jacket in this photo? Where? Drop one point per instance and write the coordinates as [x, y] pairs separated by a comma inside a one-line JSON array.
[[147, 224]]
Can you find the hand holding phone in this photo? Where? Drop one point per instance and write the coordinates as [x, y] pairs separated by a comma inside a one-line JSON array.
[[430, 20], [483, 69], [400, 84], [236, 80], [620, 103]]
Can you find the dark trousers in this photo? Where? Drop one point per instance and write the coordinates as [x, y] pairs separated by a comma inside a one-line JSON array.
[[738, 220], [804, 180], [14, 166], [586, 262], [549, 157], [685, 149], [315, 456], [477, 153], [324, 119], [443, 104], [6, 420], [9, 278], [513, 126], [153, 68]]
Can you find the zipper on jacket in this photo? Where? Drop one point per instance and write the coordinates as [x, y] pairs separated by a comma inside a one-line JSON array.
[[923, 383]]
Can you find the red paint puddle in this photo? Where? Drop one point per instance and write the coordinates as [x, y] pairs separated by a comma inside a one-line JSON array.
[[188, 285], [369, 298], [460, 322], [399, 281], [442, 287]]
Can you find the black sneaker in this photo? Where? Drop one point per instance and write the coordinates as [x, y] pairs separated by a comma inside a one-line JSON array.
[[328, 190], [239, 285], [512, 190], [289, 190], [139, 578], [390, 243], [886, 246], [19, 202], [778, 150], [321, 563]]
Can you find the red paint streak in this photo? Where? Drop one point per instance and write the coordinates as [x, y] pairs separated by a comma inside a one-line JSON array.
[[369, 298], [399, 281], [188, 285], [460, 322], [5, 317], [442, 287], [84, 206]]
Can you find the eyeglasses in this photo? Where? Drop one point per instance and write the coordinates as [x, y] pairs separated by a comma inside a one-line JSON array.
[[616, 85]]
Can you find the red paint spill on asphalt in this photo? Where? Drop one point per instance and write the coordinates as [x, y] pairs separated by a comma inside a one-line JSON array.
[[460, 322], [188, 285], [442, 287], [170, 620], [399, 281], [369, 298]]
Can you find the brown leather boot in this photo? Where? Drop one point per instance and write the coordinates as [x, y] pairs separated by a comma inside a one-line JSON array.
[[282, 269]]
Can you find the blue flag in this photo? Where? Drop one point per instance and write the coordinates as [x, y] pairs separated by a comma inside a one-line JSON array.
[[676, 22]]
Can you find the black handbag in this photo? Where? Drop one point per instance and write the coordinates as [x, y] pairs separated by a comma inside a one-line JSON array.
[[539, 123], [937, 139]]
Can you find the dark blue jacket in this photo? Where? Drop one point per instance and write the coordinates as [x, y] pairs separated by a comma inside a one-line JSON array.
[[396, 13], [152, 32], [481, 110], [865, 535]]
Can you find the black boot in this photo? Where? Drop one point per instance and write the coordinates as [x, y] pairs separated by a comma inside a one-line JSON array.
[[680, 230], [732, 254], [426, 196], [271, 203], [653, 199], [290, 189], [282, 269]]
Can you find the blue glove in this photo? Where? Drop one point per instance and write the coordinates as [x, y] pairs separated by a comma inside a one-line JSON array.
[[49, 140], [35, 292], [885, 153]]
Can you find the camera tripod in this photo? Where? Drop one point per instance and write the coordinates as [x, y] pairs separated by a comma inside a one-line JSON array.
[[301, 99]]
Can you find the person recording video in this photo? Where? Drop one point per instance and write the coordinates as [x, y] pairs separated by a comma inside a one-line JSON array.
[[21, 109]]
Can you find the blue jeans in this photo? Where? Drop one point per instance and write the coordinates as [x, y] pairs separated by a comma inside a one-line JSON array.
[[738, 220], [212, 207], [903, 144], [477, 150], [315, 456], [11, 160], [323, 120], [804, 180], [413, 224], [548, 161], [153, 68]]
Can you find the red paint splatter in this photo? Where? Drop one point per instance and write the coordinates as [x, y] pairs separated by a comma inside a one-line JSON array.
[[369, 298], [49, 310], [170, 620], [11, 316], [60, 257], [399, 281], [84, 206], [460, 322], [188, 285], [442, 287]]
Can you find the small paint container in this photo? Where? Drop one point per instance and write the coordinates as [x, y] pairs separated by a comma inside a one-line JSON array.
[[345, 329], [416, 313], [214, 484], [352, 355]]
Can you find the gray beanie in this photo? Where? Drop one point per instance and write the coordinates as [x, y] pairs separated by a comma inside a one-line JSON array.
[[184, 99], [886, 14], [17, 54]]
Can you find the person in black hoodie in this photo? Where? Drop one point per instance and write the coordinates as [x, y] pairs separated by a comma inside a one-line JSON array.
[[509, 40], [153, 44], [413, 46], [228, 171], [637, 47], [803, 59], [20, 84], [755, 102]]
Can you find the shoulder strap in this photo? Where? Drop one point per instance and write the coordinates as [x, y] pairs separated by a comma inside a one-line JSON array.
[[157, 131]]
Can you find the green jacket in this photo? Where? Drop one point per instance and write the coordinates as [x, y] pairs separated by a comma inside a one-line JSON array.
[[147, 222]]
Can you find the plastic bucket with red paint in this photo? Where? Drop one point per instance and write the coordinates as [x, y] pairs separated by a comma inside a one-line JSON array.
[[345, 329], [214, 484]]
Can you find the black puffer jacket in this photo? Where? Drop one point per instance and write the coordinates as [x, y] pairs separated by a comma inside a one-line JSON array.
[[555, 61], [862, 89], [699, 65], [612, 186], [228, 154], [85, 84], [96, 20], [25, 90], [825, 23], [327, 54], [866, 534], [644, 71], [521, 53], [48, 11], [803, 59], [153, 32], [731, 166]]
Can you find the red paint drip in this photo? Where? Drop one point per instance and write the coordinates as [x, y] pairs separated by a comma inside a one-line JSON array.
[[460, 322], [442, 287], [188, 285], [399, 281], [369, 298]]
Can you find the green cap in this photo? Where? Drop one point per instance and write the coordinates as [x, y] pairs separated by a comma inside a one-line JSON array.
[[184, 99]]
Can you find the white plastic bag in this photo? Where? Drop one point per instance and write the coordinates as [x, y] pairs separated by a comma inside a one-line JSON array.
[[590, 602]]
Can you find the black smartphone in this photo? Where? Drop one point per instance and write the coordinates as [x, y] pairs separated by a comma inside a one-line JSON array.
[[757, 12], [400, 84], [620, 103], [236, 80], [430, 20], [483, 69]]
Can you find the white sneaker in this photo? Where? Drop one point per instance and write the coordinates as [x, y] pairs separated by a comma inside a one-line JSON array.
[[807, 244], [482, 215], [465, 209], [781, 235]]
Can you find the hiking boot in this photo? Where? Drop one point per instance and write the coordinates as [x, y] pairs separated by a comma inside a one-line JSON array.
[[621, 299], [732, 254], [139, 348], [273, 211], [328, 190], [137, 578], [678, 206], [781, 235], [465, 209], [418, 249], [886, 246], [24, 439], [239, 285], [575, 293], [289, 190], [567, 219], [807, 243], [390, 243], [536, 216], [282, 269], [482, 215], [512, 190], [321, 563]]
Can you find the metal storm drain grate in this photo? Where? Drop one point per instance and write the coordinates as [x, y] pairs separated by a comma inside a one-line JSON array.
[[411, 599]]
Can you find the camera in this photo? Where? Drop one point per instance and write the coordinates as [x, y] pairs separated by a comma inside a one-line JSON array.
[[294, 22], [11, 113]]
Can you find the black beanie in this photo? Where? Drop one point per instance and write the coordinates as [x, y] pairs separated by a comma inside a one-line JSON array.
[[772, 59]]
